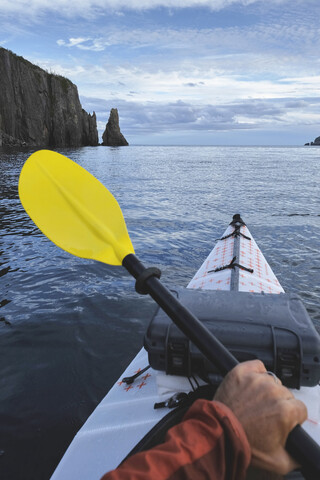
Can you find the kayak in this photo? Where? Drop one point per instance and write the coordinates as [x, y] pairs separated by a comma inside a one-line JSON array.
[[127, 412]]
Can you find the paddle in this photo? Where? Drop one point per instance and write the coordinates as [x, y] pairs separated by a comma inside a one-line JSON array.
[[74, 210]]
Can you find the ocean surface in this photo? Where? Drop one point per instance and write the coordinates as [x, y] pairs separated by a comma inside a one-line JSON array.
[[69, 327]]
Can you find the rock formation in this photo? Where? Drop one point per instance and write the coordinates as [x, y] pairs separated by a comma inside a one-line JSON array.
[[38, 108], [316, 142], [112, 137]]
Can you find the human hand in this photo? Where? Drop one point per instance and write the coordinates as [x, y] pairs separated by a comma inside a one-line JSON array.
[[267, 411]]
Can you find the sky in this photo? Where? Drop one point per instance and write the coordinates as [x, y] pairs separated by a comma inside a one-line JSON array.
[[184, 72]]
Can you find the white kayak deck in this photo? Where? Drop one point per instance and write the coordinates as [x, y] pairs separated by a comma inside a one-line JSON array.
[[250, 256], [126, 413]]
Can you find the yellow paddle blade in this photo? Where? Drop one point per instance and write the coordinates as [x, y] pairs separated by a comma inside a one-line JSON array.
[[73, 209]]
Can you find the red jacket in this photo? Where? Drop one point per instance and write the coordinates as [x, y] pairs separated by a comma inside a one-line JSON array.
[[209, 443]]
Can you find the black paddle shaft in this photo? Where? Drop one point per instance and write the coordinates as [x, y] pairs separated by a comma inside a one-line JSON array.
[[207, 343], [299, 444]]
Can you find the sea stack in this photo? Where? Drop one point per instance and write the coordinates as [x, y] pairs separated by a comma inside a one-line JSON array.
[[112, 137]]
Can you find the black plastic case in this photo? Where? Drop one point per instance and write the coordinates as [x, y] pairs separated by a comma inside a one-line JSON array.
[[273, 328]]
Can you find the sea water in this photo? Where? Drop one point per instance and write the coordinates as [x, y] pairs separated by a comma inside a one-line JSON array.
[[69, 327]]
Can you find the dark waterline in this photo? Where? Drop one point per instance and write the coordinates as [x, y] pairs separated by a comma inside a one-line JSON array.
[[68, 326]]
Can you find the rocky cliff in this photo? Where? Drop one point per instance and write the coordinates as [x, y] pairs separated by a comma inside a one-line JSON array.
[[112, 135], [40, 109]]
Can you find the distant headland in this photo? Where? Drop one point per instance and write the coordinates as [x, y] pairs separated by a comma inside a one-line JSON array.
[[38, 108], [316, 142]]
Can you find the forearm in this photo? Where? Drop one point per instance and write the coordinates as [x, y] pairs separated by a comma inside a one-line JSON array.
[[208, 442]]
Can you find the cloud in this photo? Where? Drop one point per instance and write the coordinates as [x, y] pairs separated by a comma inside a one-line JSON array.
[[278, 45], [295, 104], [96, 44], [216, 64], [96, 7], [73, 42], [137, 118], [218, 79]]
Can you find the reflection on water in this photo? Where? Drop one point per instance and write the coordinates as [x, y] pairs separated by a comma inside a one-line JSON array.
[[68, 326]]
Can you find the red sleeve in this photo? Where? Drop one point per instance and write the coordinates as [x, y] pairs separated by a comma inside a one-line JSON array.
[[209, 443]]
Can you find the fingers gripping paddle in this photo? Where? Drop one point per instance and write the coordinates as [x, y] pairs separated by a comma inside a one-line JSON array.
[[74, 210]]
